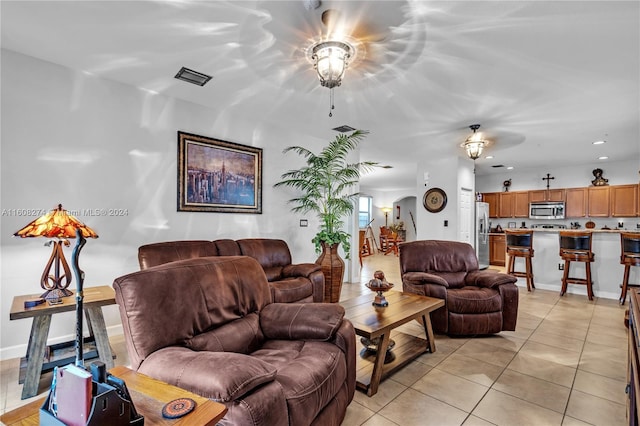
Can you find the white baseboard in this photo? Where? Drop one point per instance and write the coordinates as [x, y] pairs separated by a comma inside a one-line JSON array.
[[572, 289], [20, 351]]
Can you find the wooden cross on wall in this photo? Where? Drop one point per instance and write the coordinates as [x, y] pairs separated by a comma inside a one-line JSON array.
[[548, 178]]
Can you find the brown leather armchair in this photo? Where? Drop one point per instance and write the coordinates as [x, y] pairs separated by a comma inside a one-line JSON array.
[[476, 302], [208, 325], [303, 282]]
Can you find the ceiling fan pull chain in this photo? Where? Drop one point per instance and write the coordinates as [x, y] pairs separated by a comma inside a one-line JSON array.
[[331, 102]]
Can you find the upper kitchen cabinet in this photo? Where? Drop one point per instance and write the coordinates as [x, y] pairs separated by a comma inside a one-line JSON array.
[[521, 204], [546, 195], [624, 200], [513, 204], [599, 201], [492, 199], [576, 202]]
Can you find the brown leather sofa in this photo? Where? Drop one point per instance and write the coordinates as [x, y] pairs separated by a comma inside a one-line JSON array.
[[208, 325], [476, 302], [289, 283]]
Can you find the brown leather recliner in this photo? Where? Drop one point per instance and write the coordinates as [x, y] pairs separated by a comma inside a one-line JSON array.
[[476, 302], [303, 282], [208, 325]]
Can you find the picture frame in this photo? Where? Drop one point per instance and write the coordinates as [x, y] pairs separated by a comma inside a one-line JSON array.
[[218, 176]]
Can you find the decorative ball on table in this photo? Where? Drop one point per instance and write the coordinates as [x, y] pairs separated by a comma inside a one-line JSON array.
[[379, 285]]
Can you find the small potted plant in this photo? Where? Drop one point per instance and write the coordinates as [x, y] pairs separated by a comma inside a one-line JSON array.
[[325, 184]]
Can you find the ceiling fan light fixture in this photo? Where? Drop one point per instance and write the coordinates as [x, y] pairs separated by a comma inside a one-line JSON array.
[[330, 60], [475, 144]]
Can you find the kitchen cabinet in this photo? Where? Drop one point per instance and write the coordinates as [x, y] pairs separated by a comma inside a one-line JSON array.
[[505, 204], [492, 199], [497, 250], [598, 201], [513, 204], [624, 200], [576, 202], [521, 204], [546, 195]]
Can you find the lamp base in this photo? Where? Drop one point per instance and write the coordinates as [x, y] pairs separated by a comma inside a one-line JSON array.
[[56, 293]]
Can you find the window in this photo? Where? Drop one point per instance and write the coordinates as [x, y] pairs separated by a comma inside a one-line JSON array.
[[364, 212]]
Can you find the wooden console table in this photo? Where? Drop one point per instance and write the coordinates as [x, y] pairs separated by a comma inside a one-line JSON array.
[[148, 395], [94, 299]]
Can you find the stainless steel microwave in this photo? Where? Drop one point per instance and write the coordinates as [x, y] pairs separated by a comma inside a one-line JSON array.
[[546, 210]]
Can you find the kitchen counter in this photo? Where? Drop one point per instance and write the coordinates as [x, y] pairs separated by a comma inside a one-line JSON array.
[[606, 270], [594, 230]]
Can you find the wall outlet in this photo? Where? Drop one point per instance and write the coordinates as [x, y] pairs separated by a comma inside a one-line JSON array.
[[560, 266]]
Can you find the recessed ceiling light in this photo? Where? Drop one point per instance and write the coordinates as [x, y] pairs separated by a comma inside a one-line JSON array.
[[510, 168], [599, 142], [604, 157], [489, 157]]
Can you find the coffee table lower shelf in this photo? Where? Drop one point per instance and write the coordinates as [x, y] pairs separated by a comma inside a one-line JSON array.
[[406, 349]]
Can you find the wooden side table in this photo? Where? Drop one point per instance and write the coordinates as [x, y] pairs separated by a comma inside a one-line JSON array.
[[94, 299], [148, 395]]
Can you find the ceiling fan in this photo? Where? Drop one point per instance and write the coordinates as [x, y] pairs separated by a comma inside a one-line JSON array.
[[387, 36]]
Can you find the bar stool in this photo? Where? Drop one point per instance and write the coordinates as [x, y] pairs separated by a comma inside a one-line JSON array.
[[630, 256], [520, 244], [576, 247]]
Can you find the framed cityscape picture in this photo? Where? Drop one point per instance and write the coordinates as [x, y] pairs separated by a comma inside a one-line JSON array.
[[218, 176]]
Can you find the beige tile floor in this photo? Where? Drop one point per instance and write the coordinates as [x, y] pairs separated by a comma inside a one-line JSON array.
[[564, 365]]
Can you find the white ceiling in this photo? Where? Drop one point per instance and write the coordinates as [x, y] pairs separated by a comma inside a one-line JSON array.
[[545, 79]]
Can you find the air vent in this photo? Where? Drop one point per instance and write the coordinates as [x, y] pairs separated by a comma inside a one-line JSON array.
[[497, 166], [344, 129], [387, 166], [194, 77]]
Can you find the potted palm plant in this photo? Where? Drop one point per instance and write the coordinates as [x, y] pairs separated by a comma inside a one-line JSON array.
[[325, 183]]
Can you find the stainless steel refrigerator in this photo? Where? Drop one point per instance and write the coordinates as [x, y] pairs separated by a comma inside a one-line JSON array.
[[482, 234]]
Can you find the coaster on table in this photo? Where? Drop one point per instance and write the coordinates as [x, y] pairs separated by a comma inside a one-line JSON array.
[[178, 408]]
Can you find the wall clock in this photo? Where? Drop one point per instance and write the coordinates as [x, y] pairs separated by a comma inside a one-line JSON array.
[[434, 200]]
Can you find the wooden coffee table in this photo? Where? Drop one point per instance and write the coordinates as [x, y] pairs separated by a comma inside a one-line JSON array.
[[377, 323], [148, 395]]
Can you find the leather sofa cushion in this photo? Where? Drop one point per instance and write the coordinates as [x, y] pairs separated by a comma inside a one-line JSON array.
[[292, 290], [473, 300], [310, 373], [309, 321], [268, 252], [200, 372], [273, 273], [150, 255], [242, 335], [436, 255], [227, 247]]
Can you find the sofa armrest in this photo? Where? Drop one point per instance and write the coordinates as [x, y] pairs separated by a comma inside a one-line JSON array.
[[488, 279], [421, 278], [300, 270], [221, 376], [301, 321]]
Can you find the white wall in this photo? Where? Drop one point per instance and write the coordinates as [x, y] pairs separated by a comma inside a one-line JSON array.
[[72, 138], [449, 174], [573, 176]]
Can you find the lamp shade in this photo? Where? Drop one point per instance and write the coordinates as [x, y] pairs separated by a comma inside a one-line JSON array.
[[331, 59], [474, 145], [58, 223]]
